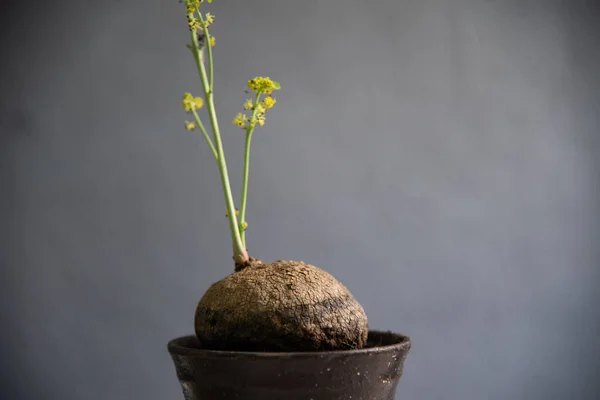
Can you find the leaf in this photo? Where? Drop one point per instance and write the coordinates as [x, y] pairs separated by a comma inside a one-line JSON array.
[[276, 85]]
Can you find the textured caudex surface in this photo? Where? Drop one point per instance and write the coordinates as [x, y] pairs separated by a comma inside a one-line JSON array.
[[280, 306], [370, 373]]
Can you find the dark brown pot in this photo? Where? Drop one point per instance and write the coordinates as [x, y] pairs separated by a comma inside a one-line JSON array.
[[370, 373]]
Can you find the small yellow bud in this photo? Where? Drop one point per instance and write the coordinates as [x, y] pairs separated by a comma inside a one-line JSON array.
[[190, 102], [248, 104], [209, 18], [212, 41], [190, 126], [244, 225]]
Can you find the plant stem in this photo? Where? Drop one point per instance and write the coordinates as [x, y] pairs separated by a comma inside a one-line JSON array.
[[249, 131], [239, 251], [201, 126], [209, 52]]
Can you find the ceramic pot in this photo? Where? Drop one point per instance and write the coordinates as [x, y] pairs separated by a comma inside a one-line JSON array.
[[370, 373]]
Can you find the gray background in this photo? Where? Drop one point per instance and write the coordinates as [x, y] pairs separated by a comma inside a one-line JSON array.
[[438, 157]]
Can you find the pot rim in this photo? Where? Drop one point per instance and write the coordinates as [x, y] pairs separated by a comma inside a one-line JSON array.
[[175, 346]]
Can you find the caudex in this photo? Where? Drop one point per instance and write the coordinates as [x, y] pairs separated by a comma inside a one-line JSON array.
[[277, 306]]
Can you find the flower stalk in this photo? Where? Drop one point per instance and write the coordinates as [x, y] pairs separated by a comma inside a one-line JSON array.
[[201, 40], [244, 196]]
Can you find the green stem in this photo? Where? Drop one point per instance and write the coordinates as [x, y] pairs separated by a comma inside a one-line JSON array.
[[245, 187], [249, 131], [206, 136], [209, 51], [239, 251]]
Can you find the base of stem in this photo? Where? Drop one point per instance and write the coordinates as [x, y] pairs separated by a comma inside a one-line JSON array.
[[250, 262]]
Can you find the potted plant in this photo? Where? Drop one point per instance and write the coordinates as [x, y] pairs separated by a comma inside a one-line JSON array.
[[281, 330]]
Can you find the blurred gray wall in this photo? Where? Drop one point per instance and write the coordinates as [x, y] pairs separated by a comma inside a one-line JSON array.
[[439, 157]]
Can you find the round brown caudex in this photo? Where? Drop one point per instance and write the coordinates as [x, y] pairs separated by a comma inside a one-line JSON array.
[[280, 306]]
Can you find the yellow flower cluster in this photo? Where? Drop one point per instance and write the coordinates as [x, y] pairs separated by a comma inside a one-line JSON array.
[[192, 5], [193, 23], [258, 116], [190, 102], [248, 104], [262, 84], [240, 120], [209, 18], [268, 102], [260, 119]]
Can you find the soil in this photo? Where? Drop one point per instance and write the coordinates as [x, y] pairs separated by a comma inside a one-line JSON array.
[[280, 306]]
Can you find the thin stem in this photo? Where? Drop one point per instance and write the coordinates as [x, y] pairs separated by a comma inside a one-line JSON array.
[[206, 136], [249, 131], [239, 252], [208, 51], [245, 187]]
